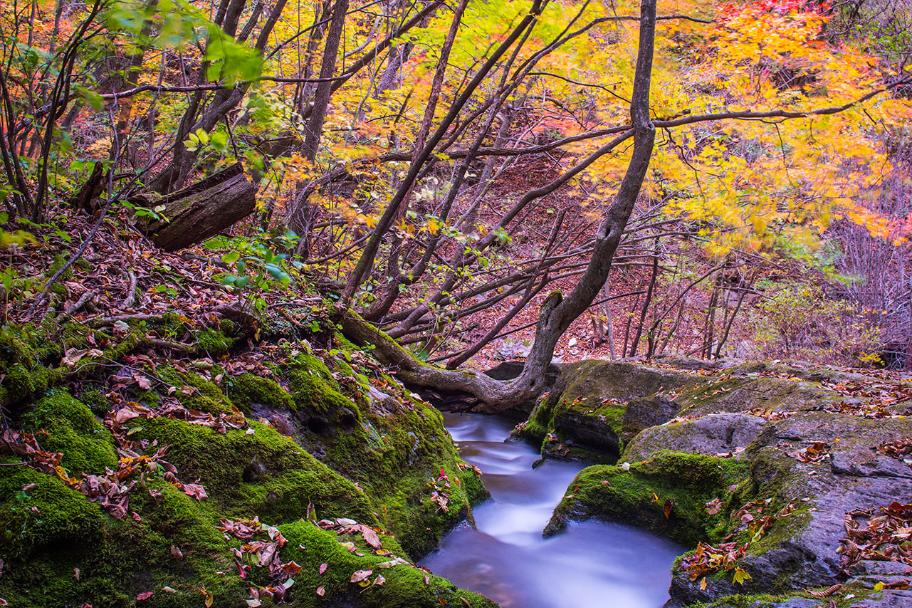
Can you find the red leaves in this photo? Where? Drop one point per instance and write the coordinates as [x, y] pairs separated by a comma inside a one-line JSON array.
[[713, 506], [193, 490], [349, 526], [262, 553], [145, 595], [884, 536], [242, 529], [360, 575], [440, 495], [110, 489]]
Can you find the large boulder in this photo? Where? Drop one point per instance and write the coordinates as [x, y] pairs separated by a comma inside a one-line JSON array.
[[595, 406]]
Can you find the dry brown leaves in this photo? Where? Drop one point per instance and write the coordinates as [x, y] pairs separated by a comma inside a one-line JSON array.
[[771, 415], [110, 489], [708, 559], [26, 445], [816, 452], [881, 535], [901, 449], [872, 398]]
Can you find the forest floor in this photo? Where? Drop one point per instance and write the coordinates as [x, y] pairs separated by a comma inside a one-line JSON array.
[[165, 441]]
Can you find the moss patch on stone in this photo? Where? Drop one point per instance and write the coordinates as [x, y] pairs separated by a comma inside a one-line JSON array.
[[256, 471], [196, 392], [213, 342], [678, 482], [247, 390], [69, 426], [404, 585], [358, 445]]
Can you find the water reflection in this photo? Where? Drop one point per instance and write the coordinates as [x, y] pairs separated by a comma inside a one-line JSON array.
[[505, 557]]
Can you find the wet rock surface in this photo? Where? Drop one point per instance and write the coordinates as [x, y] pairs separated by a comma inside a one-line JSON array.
[[812, 442]]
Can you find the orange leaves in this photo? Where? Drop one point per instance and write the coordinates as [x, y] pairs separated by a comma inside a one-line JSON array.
[[708, 559]]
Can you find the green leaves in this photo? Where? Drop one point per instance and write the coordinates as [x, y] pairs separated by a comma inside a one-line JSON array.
[[179, 23], [229, 61]]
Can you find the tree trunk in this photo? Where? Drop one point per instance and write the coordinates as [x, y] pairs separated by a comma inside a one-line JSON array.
[[557, 312], [202, 210], [314, 129]]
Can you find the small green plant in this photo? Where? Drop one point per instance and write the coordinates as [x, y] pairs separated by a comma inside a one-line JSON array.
[[258, 264]]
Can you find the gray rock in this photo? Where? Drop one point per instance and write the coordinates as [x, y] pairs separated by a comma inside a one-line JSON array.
[[647, 412], [711, 434]]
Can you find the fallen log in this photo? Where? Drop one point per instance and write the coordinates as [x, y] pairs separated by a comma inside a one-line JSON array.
[[202, 210]]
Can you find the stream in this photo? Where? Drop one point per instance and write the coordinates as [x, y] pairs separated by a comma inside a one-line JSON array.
[[505, 557]]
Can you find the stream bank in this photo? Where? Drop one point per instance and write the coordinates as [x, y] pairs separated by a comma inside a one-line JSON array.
[[504, 555], [792, 485]]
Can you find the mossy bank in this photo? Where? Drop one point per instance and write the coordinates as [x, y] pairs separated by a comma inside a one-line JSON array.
[[123, 464]]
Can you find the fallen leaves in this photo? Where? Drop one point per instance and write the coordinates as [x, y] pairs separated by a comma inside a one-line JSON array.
[[708, 559], [881, 535], [713, 506], [440, 495], [350, 526], [817, 451], [901, 449], [111, 489], [72, 356], [261, 553]]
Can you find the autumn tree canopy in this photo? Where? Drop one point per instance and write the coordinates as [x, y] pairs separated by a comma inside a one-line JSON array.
[[440, 168]]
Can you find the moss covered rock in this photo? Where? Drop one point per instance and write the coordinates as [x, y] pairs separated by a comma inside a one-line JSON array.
[[354, 444], [256, 471], [667, 494], [597, 405], [69, 426], [250, 390], [392, 582]]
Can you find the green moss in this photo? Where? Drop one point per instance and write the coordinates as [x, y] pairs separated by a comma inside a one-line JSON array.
[[96, 401], [248, 389], [639, 495], [776, 476], [22, 384], [541, 419], [256, 473], [195, 392], [15, 347], [396, 454], [213, 342], [71, 428], [38, 511], [50, 529], [612, 415], [404, 585], [314, 389]]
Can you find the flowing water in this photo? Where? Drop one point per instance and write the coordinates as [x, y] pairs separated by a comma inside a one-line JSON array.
[[505, 557]]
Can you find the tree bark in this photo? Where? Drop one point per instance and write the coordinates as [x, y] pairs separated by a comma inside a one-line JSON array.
[[203, 210], [324, 88]]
